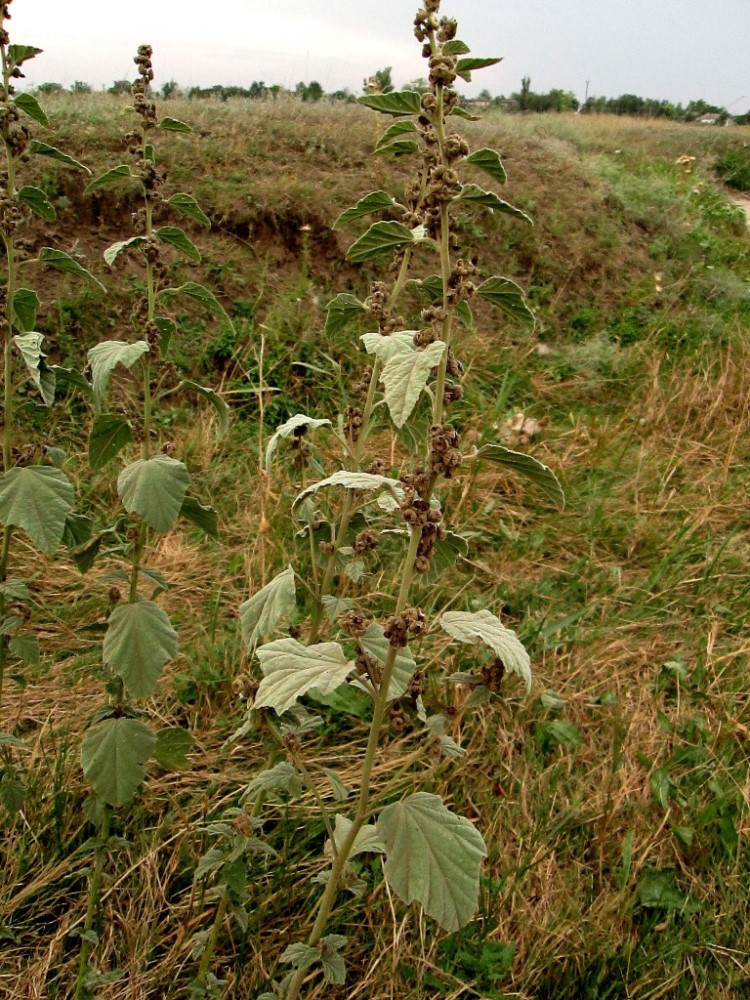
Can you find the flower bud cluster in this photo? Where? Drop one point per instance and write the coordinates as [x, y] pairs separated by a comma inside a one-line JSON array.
[[445, 456], [377, 305], [352, 422], [11, 215], [353, 623], [492, 675], [366, 541], [140, 89], [398, 628]]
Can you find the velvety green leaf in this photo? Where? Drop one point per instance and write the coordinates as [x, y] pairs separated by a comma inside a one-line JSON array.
[[174, 125], [657, 891], [433, 857], [526, 466], [290, 669], [15, 590], [202, 295], [444, 555], [112, 176], [167, 329], [339, 789], [366, 841], [77, 530], [105, 357], [175, 237], [396, 131], [385, 348], [380, 238], [274, 603], [463, 311], [108, 436], [300, 956], [287, 430], [401, 102], [12, 792], [464, 67], [400, 147], [404, 378], [138, 642], [30, 346], [36, 499], [186, 205], [375, 201], [26, 648], [460, 112], [62, 261], [468, 627], [472, 194], [375, 644], [489, 161], [507, 296], [43, 149], [154, 488], [332, 962], [282, 777], [455, 47], [172, 747], [25, 306], [354, 481], [115, 249], [220, 407], [113, 757], [20, 53], [35, 199], [70, 378], [202, 516], [341, 311]]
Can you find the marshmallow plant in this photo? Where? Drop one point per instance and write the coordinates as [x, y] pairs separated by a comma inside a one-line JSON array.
[[343, 652]]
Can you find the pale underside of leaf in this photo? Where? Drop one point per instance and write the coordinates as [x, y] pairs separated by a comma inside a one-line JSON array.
[[404, 378], [275, 602], [354, 481], [287, 429], [468, 627], [291, 669], [434, 857]]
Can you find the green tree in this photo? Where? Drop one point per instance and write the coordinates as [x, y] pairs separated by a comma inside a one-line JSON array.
[[380, 82]]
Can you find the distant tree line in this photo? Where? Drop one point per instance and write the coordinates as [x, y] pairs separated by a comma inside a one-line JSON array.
[[524, 100]]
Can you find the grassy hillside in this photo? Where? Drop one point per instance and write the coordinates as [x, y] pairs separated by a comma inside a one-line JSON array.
[[613, 799]]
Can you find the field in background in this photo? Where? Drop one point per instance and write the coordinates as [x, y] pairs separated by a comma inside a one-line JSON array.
[[614, 800]]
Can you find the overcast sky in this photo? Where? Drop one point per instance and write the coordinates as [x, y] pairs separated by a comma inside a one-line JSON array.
[[674, 49]]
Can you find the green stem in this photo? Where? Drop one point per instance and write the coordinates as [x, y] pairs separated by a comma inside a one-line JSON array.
[[221, 912], [95, 886], [325, 904]]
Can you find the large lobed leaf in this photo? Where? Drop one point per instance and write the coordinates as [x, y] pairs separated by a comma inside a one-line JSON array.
[[402, 102], [113, 757], [287, 429], [105, 357], [354, 481], [260, 615], [433, 857], [37, 499], [139, 640], [154, 488], [404, 377], [291, 669], [524, 465], [468, 627], [380, 238]]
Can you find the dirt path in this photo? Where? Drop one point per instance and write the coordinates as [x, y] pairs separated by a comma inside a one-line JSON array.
[[744, 202]]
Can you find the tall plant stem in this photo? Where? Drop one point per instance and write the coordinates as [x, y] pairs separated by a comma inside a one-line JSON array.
[[95, 887], [325, 905], [213, 937], [357, 454], [8, 398]]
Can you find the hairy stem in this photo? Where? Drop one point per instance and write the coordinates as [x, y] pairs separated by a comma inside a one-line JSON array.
[[213, 937], [325, 905], [95, 886]]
